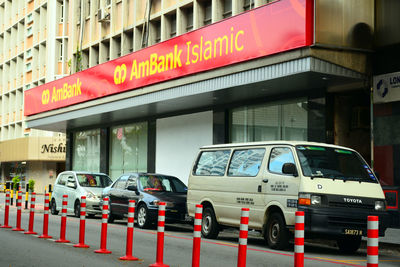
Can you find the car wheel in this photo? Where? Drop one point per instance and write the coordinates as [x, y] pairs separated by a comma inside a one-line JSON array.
[[276, 232], [77, 209], [209, 224], [142, 216], [349, 245], [53, 207]]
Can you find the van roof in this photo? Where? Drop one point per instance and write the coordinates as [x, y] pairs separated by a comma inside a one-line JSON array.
[[277, 142]]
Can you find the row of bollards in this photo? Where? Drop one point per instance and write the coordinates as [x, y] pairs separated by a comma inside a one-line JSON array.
[[372, 243]]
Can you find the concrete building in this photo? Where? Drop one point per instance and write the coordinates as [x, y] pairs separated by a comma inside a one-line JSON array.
[[33, 43], [299, 69]]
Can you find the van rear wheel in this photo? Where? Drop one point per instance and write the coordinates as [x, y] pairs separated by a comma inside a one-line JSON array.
[[276, 233], [209, 224]]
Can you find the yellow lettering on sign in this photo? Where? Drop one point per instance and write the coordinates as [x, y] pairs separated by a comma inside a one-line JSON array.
[[120, 74]]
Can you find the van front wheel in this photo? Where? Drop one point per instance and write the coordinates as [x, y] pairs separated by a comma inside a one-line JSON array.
[[209, 224], [276, 233]]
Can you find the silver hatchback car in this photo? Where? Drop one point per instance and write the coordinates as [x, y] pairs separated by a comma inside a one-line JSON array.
[[76, 184]]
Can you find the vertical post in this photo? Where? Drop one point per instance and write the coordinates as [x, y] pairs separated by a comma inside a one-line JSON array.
[[244, 226], [103, 241], [129, 233], [19, 200], [26, 199], [197, 236], [299, 240], [160, 237], [63, 220], [12, 195], [46, 217], [373, 241], [32, 216], [82, 225], [7, 210]]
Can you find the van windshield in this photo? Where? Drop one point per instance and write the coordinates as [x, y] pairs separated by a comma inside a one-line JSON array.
[[328, 162]]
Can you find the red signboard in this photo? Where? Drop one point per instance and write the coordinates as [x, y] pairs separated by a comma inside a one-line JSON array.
[[270, 29]]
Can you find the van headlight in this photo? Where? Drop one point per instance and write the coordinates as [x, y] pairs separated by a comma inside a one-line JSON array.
[[380, 205], [315, 200], [306, 199]]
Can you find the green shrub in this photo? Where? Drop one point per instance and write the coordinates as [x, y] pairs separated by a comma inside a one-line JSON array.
[[16, 181], [31, 185]]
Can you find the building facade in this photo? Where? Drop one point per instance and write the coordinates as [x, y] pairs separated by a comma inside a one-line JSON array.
[[247, 71], [33, 43]]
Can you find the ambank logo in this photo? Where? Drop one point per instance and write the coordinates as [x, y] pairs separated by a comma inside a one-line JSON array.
[[45, 97], [382, 88], [120, 74]]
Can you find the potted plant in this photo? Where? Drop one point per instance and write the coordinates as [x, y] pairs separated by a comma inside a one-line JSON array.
[[31, 185]]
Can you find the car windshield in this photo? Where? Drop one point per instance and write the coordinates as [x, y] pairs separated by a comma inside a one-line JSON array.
[[328, 162], [161, 183], [93, 180]]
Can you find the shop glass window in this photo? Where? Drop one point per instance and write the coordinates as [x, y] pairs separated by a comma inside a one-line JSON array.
[[212, 163], [272, 121], [246, 162], [128, 151], [278, 157], [86, 151]]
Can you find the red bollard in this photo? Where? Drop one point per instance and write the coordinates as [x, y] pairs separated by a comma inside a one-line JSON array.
[[46, 218], [299, 240], [244, 226], [197, 236], [63, 220], [81, 243], [7, 211], [373, 241], [160, 237], [129, 234], [32, 215], [19, 201], [103, 241]]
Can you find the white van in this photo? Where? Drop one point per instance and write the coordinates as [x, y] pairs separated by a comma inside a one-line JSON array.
[[333, 185]]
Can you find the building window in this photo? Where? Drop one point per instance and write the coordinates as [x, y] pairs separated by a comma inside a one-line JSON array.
[[28, 66], [172, 20], [61, 52], [287, 121], [207, 13], [29, 31], [61, 8], [128, 151], [87, 8], [157, 27], [28, 53], [227, 9], [248, 4], [29, 18], [86, 151], [189, 19]]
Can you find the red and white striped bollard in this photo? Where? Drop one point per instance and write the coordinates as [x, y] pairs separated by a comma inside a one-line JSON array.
[[373, 241], [243, 234], [82, 224], [103, 241], [19, 201], [46, 217], [299, 239], [197, 236], [7, 211], [129, 233], [63, 221], [160, 236], [32, 215]]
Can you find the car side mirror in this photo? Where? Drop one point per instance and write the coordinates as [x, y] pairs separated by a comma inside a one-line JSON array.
[[71, 184], [290, 168], [132, 188]]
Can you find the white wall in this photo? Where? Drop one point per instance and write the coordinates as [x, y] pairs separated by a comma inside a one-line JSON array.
[[178, 141]]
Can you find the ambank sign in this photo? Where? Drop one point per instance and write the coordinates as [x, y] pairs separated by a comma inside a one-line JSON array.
[[273, 28], [387, 88]]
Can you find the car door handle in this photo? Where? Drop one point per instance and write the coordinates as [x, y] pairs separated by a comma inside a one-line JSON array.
[[265, 180]]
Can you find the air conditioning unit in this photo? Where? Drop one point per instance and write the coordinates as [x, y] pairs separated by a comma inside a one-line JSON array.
[[103, 15]]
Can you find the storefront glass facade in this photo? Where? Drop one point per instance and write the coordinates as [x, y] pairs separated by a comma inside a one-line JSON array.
[[86, 151], [270, 121], [128, 149]]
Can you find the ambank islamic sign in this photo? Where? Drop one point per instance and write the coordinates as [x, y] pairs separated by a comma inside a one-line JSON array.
[[276, 27], [387, 88]]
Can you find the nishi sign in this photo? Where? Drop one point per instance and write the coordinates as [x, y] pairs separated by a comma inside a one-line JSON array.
[[276, 27]]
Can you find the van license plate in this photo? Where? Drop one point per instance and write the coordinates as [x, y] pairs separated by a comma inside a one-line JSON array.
[[353, 232]]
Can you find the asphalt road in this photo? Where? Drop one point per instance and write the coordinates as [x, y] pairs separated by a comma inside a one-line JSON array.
[[19, 249]]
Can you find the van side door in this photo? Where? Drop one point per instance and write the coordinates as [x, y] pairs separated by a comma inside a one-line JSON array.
[[281, 188]]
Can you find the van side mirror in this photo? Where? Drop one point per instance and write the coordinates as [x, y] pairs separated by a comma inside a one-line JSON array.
[[290, 168], [132, 188]]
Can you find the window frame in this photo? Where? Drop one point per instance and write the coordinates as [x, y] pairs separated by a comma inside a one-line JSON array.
[[269, 160], [242, 149], [199, 156]]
